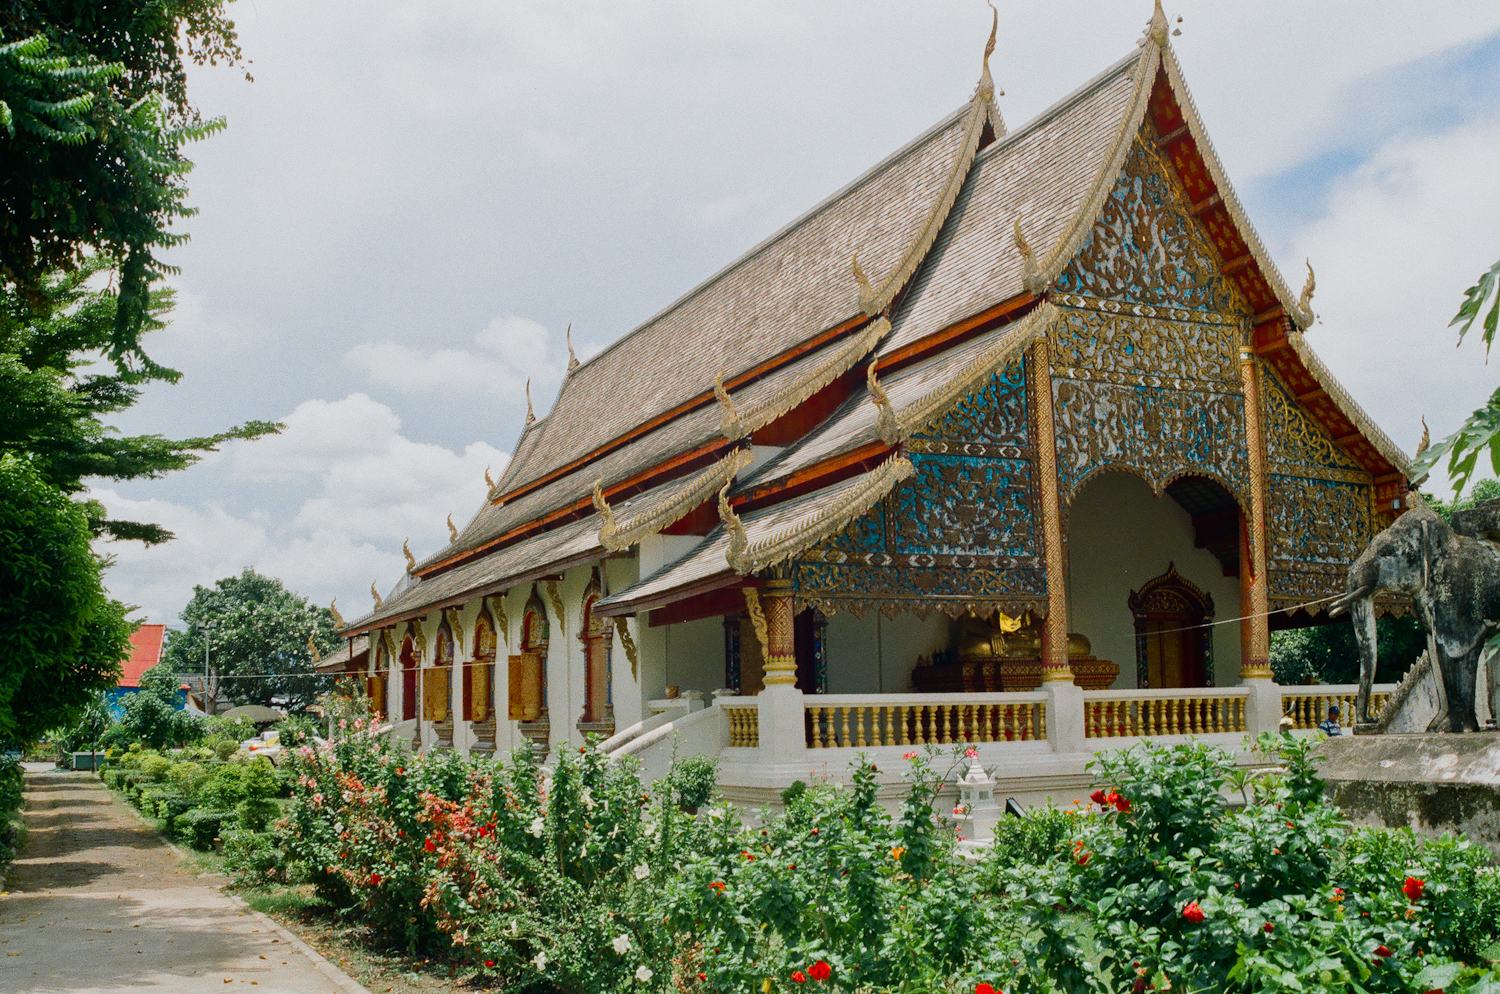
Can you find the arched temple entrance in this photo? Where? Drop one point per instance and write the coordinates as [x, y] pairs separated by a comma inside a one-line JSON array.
[[1143, 565]]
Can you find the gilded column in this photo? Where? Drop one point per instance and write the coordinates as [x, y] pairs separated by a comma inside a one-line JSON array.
[[1256, 634], [781, 644], [1055, 644]]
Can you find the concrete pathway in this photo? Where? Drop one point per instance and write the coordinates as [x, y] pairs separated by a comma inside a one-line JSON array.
[[98, 902]]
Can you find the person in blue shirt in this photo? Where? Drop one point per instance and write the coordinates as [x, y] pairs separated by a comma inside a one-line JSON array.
[[1330, 726]]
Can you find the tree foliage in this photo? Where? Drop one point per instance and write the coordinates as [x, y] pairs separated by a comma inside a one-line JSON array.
[[64, 637], [153, 715], [257, 640], [94, 116], [58, 396], [1482, 429]]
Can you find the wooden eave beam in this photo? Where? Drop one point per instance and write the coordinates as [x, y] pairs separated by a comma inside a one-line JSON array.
[[1205, 205], [691, 404], [1238, 263], [1002, 313], [644, 480], [1317, 393], [1171, 136], [1352, 436], [1268, 315], [813, 477]]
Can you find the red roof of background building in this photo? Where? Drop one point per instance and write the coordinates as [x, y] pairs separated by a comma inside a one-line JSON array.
[[145, 652]]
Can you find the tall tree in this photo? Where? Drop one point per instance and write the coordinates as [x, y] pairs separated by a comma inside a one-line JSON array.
[[57, 396], [64, 638], [95, 114], [256, 633]]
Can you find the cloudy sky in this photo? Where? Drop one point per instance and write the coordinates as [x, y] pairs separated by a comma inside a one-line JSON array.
[[414, 199]]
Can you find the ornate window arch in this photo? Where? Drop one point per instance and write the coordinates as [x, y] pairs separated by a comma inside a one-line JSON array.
[[409, 662], [1173, 640], [479, 672], [528, 669], [438, 684], [595, 634]]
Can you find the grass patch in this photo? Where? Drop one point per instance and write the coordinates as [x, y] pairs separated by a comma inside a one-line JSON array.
[[275, 899]]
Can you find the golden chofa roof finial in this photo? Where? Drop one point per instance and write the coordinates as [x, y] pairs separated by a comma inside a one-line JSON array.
[[866, 291], [452, 531], [572, 356], [530, 416], [986, 86], [375, 594], [333, 609], [1157, 29], [411, 561]]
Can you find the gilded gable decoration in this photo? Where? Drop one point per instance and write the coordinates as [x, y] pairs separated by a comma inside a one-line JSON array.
[[738, 540]]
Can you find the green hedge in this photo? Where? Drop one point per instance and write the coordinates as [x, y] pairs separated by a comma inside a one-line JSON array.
[[200, 826]]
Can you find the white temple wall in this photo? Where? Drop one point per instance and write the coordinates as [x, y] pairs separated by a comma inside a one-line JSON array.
[[565, 662], [693, 655], [1120, 535], [876, 654]]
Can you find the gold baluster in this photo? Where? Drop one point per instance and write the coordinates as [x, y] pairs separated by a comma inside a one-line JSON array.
[[825, 726]]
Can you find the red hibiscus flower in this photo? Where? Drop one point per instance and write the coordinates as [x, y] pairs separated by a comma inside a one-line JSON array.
[[428, 845], [799, 977], [489, 962], [1382, 951], [1083, 859], [374, 879], [1193, 913], [820, 971], [1097, 796], [1268, 928], [1122, 804], [985, 989], [717, 885], [1413, 888]]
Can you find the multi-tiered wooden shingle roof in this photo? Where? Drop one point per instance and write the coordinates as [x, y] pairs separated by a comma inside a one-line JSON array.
[[960, 238]]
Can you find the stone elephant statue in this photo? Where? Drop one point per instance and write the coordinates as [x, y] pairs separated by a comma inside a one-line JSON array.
[[1454, 582]]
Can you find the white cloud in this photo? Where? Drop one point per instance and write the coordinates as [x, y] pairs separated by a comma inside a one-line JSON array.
[[355, 487], [511, 351], [1401, 238]]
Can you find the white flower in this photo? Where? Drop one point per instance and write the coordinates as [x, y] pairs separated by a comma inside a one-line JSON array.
[[515, 928], [643, 973], [539, 961], [642, 872], [537, 824], [587, 797], [621, 944]]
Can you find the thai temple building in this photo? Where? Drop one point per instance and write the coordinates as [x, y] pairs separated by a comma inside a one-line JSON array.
[[1015, 441]]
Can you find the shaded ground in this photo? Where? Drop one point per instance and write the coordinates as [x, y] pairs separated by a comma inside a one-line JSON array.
[[97, 902]]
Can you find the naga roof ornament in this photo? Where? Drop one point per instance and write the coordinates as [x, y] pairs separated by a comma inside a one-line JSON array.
[[530, 415], [729, 415], [333, 609], [986, 87], [312, 649], [890, 425], [411, 560], [452, 531], [1426, 441], [607, 529], [738, 540], [1031, 276], [572, 357], [867, 300], [1157, 29], [1304, 302], [375, 594]]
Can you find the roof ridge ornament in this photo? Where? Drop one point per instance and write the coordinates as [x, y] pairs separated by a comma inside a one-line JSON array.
[[411, 561], [868, 303], [1304, 302], [312, 649], [1031, 276], [986, 87], [333, 609], [729, 414], [452, 532], [607, 529], [1426, 441], [738, 540], [530, 416], [572, 357], [1157, 30], [375, 594], [890, 425]]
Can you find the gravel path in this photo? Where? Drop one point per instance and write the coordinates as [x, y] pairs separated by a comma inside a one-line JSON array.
[[98, 902]]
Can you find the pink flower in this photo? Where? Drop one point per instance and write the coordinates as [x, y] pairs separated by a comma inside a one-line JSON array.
[[909, 755], [1193, 913], [971, 752]]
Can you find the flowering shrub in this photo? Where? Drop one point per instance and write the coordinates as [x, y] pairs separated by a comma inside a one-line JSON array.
[[835, 894], [1181, 890]]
